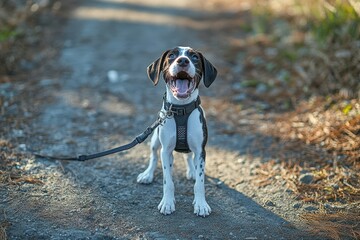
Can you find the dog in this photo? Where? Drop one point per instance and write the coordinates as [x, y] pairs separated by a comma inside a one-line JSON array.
[[182, 68]]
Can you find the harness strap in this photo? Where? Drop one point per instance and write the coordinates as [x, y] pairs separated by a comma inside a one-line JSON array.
[[181, 115], [182, 109]]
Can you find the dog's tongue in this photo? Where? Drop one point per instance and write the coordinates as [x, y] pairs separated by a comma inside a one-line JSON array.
[[182, 86]]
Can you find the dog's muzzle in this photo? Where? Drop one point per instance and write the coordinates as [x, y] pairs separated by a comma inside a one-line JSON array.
[[181, 85]]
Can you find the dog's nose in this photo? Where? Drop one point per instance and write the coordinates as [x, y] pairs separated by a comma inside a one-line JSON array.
[[183, 61]]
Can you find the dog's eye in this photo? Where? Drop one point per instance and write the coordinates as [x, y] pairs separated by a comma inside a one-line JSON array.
[[172, 56], [195, 57]]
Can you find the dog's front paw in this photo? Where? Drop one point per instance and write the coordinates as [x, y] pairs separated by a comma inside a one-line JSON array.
[[167, 206], [145, 177], [201, 208]]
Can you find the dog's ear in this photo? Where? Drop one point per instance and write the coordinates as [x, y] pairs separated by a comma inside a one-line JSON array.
[[209, 71], [154, 69]]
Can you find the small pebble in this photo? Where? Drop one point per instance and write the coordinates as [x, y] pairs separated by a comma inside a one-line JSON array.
[[311, 209], [306, 178], [297, 205], [22, 147], [113, 76], [18, 133], [270, 203]]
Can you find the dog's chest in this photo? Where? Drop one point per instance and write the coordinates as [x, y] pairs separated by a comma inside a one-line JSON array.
[[185, 130]]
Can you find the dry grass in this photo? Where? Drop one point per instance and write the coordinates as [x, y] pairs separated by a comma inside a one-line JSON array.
[[321, 133], [335, 226], [3, 235], [328, 143], [297, 64], [3, 226], [10, 162], [300, 71]]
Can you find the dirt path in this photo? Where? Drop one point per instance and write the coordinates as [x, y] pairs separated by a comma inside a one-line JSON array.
[[100, 199]]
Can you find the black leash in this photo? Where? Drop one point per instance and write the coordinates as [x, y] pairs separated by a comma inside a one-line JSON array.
[[139, 139]]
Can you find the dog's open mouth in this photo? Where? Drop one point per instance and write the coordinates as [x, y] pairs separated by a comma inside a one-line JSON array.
[[181, 85]]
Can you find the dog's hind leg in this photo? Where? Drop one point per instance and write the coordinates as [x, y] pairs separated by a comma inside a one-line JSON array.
[[147, 176], [190, 169]]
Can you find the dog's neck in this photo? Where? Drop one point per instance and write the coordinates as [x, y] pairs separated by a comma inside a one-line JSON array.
[[171, 99]]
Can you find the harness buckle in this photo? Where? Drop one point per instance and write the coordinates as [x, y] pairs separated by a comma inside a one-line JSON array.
[[180, 111], [177, 111]]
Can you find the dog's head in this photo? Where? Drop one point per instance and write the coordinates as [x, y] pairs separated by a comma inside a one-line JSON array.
[[182, 69]]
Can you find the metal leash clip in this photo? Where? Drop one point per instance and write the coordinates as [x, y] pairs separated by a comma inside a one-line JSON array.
[[170, 112], [163, 115]]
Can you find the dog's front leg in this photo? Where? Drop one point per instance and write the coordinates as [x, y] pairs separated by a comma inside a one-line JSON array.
[[167, 204], [201, 208]]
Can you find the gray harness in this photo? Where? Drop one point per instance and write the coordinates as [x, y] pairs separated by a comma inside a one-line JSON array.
[[181, 115]]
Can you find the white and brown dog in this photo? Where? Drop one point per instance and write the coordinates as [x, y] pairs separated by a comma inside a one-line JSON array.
[[185, 131]]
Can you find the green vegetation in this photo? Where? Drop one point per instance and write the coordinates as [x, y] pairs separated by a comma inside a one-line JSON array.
[[6, 33], [339, 22]]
